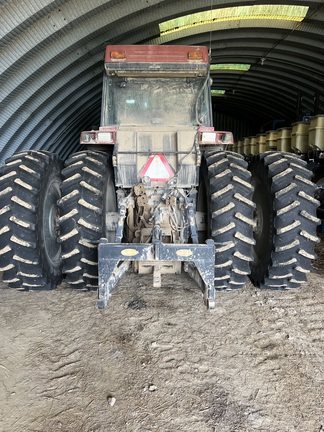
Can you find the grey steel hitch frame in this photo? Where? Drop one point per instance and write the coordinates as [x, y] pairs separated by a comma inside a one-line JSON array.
[[114, 260]]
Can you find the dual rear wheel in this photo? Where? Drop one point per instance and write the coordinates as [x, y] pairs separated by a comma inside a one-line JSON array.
[[30, 256], [261, 216]]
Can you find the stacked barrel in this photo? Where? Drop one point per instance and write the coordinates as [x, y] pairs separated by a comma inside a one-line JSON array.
[[301, 138]]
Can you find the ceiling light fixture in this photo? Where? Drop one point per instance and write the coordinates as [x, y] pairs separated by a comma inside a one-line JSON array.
[[229, 67]]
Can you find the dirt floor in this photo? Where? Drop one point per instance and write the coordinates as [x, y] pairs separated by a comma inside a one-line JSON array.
[[156, 360]]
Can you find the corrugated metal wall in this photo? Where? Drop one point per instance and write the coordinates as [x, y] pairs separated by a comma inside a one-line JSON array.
[[51, 64]]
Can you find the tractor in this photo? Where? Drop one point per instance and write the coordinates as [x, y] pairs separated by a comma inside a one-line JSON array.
[[156, 189]]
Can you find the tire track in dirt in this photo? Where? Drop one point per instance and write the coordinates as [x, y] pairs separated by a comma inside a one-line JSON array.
[[57, 367], [289, 348], [300, 326], [183, 376], [255, 364]]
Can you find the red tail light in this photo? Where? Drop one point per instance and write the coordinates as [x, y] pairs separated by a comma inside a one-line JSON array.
[[207, 136], [102, 136]]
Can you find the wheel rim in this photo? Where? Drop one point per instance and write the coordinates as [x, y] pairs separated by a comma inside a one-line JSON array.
[[261, 220], [110, 206], [203, 207], [50, 224]]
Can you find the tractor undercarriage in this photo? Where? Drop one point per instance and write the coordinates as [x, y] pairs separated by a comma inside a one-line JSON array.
[[158, 223]]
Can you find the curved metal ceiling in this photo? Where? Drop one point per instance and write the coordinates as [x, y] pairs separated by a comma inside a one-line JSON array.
[[51, 63]]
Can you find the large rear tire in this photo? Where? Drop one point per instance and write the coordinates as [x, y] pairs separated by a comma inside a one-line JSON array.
[[285, 220], [88, 197], [229, 208], [30, 255]]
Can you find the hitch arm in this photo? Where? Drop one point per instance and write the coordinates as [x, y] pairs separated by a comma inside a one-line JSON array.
[[114, 260]]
